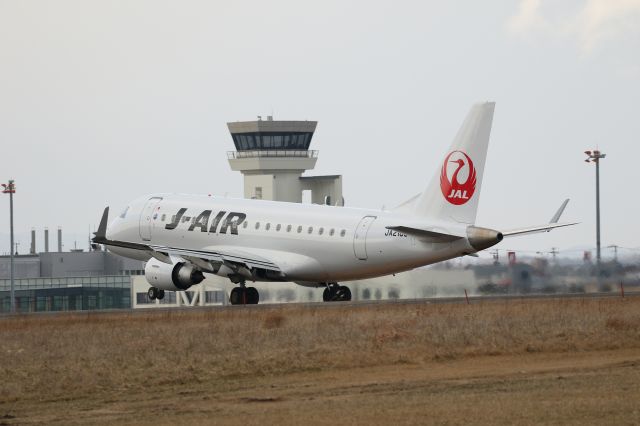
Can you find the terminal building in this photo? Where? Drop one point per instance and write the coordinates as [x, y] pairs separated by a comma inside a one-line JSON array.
[[74, 280]]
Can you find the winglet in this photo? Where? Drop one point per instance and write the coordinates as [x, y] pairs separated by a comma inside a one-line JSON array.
[[556, 216], [101, 233]]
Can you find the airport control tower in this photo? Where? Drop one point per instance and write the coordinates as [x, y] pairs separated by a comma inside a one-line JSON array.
[[272, 155]]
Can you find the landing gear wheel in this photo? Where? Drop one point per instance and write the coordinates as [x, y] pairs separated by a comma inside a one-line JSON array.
[[327, 295], [343, 294], [236, 296], [244, 296], [336, 293], [160, 295], [152, 293], [253, 297]]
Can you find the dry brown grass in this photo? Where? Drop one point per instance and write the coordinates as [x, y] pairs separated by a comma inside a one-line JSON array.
[[68, 357]]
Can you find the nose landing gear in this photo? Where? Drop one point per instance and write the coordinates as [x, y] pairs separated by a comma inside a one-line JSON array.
[[336, 293]]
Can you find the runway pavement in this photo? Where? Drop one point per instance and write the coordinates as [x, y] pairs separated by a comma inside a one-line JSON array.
[[333, 305]]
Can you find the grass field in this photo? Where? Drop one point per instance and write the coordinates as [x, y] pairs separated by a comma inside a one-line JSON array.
[[557, 361]]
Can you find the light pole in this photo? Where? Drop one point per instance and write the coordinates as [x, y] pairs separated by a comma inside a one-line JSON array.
[[10, 188], [594, 157]]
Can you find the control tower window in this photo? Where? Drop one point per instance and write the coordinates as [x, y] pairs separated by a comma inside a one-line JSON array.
[[272, 141], [278, 141], [300, 141]]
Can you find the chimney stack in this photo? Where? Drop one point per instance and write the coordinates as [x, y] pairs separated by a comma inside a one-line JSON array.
[[59, 240], [46, 240], [33, 241]]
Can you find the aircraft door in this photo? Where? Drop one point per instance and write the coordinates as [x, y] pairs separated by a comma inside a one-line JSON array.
[[360, 237], [146, 217]]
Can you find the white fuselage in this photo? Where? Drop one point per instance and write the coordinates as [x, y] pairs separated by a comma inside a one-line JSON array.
[[310, 243]]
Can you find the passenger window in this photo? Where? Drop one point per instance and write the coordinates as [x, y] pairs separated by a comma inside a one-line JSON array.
[[320, 231], [267, 227], [173, 218], [343, 233], [288, 228], [310, 230], [332, 232], [164, 216], [244, 225], [278, 226], [257, 225], [299, 229]]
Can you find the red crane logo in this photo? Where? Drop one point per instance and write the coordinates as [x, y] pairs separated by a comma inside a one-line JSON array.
[[453, 190]]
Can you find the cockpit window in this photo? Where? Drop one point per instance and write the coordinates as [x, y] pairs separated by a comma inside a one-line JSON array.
[[124, 213]]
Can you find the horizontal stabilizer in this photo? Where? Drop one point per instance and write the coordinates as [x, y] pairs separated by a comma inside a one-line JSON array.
[[437, 237], [534, 229]]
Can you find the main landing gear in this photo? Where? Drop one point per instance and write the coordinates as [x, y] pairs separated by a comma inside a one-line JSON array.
[[155, 293], [336, 293], [244, 295]]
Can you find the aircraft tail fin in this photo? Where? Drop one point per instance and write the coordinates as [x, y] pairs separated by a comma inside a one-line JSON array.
[[454, 190]]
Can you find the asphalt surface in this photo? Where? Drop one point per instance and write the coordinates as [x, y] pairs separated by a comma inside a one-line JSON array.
[[332, 305]]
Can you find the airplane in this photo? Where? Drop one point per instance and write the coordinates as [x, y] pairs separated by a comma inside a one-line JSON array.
[[182, 237]]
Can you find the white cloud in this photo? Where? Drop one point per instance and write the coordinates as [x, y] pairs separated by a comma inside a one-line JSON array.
[[528, 19], [592, 24], [607, 20]]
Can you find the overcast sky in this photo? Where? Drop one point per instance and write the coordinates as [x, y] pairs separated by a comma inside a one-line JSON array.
[[103, 101]]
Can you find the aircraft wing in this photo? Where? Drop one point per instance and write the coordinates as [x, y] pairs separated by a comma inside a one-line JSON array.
[[250, 260], [200, 258], [558, 213]]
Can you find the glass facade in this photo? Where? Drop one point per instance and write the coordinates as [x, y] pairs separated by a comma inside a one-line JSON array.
[[216, 296], [272, 141], [67, 294]]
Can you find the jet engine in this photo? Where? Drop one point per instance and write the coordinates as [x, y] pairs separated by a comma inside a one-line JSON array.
[[179, 276]]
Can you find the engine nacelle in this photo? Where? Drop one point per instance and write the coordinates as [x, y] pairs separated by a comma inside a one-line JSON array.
[[179, 276]]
